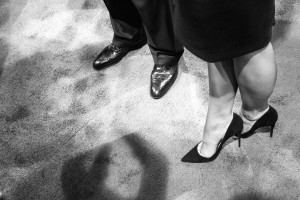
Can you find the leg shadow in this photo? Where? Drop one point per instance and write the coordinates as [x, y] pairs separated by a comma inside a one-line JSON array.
[[80, 182]]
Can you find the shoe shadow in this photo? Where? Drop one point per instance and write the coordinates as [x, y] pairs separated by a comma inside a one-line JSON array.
[[84, 4], [253, 195], [80, 183]]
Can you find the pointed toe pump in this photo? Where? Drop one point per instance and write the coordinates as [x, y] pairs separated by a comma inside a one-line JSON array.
[[269, 119], [235, 128]]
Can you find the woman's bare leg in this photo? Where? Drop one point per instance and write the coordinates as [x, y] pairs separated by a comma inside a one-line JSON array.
[[256, 76], [222, 91]]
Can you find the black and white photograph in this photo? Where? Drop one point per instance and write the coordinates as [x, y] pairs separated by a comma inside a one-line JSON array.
[[149, 99]]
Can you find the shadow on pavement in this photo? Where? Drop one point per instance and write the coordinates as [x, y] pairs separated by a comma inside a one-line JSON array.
[[81, 184], [29, 135], [4, 12], [253, 195], [84, 4], [3, 53]]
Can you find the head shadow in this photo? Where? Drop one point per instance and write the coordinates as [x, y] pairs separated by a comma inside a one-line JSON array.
[[80, 182]]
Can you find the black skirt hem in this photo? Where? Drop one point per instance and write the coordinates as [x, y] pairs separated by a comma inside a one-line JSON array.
[[227, 55]]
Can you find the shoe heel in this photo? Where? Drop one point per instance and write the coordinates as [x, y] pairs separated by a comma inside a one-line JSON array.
[[239, 138], [271, 131]]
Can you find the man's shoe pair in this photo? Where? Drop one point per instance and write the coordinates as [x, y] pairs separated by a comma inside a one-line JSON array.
[[162, 76]]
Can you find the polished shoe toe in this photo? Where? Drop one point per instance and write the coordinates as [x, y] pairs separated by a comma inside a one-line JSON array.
[[192, 156], [110, 55], [162, 78]]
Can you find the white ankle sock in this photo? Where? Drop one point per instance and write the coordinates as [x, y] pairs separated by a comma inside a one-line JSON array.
[[248, 123]]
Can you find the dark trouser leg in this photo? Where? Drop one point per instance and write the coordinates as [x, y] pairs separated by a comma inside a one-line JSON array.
[[166, 50], [126, 22], [158, 22]]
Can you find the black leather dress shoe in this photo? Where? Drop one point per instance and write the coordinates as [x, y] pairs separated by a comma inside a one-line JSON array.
[[162, 78], [112, 54]]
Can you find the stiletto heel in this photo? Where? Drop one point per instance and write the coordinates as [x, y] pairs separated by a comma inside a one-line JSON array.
[[236, 126], [239, 138], [268, 119], [271, 131]]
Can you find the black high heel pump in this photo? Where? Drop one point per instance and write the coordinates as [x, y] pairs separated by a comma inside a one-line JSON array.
[[235, 128], [268, 119]]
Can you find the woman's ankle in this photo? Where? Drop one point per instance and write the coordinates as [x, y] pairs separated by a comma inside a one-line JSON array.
[[253, 115], [249, 118], [215, 128]]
